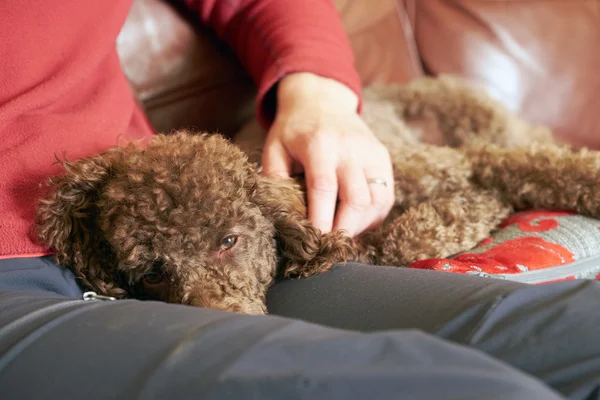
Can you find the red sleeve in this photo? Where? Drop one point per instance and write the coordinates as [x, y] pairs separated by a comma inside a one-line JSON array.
[[284, 36]]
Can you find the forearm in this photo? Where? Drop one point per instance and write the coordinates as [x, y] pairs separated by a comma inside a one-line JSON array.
[[274, 38]]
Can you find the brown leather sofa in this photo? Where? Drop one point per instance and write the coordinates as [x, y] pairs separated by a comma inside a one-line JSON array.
[[540, 58]]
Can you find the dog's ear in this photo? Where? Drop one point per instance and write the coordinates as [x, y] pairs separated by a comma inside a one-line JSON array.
[[303, 249], [67, 222]]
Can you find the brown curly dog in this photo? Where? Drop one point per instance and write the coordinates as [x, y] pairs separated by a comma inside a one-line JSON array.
[[189, 219]]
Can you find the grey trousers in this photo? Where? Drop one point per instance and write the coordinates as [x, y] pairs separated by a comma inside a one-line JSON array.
[[356, 332]]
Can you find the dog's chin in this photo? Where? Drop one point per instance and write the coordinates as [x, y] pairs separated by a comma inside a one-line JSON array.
[[253, 309], [250, 308]]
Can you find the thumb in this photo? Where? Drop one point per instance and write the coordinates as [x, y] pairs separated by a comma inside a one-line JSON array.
[[276, 162]]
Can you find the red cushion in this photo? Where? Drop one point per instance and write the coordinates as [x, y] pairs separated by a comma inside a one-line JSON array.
[[532, 241]]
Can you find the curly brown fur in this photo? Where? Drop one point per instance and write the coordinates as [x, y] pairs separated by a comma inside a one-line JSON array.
[[441, 226], [463, 114], [68, 221], [155, 222], [541, 176], [450, 196], [151, 221]]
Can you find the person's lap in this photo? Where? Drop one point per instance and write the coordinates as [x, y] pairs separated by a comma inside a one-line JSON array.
[[551, 331], [144, 343]]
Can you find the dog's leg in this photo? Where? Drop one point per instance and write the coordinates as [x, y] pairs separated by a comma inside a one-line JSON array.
[[439, 227], [543, 176]]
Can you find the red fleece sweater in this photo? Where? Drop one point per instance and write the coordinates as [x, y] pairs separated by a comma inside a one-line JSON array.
[[62, 91]]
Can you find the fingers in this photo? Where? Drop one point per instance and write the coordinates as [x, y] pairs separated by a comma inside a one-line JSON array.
[[319, 169], [361, 205], [338, 161], [322, 189], [355, 200], [275, 160], [364, 205], [382, 195]]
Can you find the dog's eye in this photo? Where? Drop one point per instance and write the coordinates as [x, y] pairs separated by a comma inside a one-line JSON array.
[[153, 278], [228, 242]]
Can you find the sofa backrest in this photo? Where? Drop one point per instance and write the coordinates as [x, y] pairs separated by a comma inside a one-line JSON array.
[[539, 58]]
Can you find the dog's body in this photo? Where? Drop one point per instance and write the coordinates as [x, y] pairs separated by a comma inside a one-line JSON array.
[[189, 219]]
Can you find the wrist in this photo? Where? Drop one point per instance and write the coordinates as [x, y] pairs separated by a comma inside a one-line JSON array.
[[308, 89]]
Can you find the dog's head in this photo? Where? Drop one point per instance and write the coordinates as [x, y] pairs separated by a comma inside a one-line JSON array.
[[184, 219]]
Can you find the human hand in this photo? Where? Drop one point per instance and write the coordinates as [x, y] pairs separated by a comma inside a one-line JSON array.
[[318, 131]]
